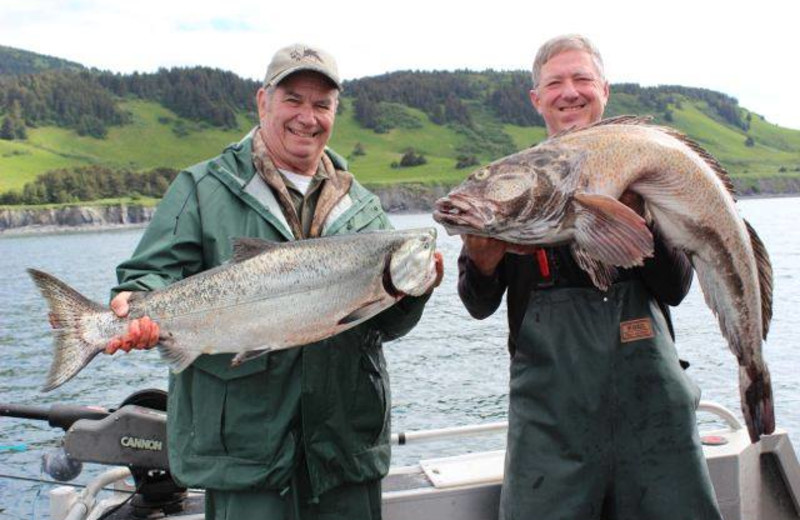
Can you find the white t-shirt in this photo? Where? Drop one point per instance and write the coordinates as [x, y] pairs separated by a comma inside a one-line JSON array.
[[301, 182]]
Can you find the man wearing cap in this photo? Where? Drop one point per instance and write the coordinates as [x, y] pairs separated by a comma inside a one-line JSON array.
[[302, 433]]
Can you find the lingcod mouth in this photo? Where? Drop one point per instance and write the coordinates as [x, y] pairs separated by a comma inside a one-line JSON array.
[[457, 214]]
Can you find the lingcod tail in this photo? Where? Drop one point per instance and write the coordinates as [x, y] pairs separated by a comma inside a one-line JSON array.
[[755, 386], [71, 350]]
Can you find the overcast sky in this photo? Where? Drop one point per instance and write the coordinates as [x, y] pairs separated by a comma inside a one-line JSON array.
[[750, 53]]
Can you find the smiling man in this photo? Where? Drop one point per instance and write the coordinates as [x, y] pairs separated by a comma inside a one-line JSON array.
[[301, 433], [601, 421], [569, 89]]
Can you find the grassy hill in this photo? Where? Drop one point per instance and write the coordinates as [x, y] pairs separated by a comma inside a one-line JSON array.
[[148, 142], [442, 129]]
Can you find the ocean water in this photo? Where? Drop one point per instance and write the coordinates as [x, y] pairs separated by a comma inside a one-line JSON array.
[[450, 370]]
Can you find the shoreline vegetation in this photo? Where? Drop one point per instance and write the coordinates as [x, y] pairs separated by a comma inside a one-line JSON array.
[[130, 214]]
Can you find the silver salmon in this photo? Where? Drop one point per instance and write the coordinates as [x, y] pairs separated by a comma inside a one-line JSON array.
[[566, 191], [270, 296]]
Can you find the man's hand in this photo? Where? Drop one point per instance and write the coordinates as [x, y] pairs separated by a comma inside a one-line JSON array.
[[142, 333], [485, 252], [439, 260]]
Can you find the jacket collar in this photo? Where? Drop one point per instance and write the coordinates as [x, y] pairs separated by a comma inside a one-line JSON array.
[[236, 169]]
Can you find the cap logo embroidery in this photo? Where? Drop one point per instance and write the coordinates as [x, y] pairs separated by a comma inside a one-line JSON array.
[[635, 330], [307, 53]]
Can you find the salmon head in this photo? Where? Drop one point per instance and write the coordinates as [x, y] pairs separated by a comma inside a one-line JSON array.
[[524, 198], [411, 269]]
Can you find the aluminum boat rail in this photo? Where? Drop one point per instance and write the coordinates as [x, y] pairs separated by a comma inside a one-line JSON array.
[[752, 481]]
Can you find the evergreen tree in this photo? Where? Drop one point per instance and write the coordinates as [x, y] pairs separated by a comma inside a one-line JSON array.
[[7, 130]]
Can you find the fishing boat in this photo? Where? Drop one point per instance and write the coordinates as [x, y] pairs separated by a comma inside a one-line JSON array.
[[758, 481]]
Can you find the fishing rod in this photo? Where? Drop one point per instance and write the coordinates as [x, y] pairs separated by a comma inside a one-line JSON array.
[[58, 415]]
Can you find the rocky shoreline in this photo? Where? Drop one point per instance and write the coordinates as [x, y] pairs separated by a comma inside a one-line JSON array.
[[398, 198], [72, 218]]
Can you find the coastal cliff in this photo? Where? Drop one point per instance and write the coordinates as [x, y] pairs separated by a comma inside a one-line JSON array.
[[396, 199], [31, 220]]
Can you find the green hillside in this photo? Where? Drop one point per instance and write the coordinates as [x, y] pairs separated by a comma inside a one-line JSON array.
[[446, 117], [18, 61]]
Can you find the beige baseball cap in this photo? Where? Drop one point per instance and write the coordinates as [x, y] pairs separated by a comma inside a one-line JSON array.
[[297, 57]]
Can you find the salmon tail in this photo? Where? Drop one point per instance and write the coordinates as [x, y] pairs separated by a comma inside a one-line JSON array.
[[756, 392], [178, 357], [71, 350]]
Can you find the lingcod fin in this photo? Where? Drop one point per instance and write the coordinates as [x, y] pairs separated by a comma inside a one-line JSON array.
[[602, 275], [249, 355], [617, 120], [611, 232], [366, 311], [764, 267], [245, 248], [755, 388]]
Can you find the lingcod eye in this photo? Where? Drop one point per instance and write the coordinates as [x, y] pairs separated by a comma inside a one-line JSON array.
[[481, 175], [506, 188]]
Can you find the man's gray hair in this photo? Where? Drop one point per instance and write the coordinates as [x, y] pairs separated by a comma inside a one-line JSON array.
[[563, 43]]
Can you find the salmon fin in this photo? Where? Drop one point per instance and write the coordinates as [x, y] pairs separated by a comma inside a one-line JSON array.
[[364, 312], [245, 248], [179, 358], [764, 277], [602, 275], [71, 349], [249, 355], [611, 232]]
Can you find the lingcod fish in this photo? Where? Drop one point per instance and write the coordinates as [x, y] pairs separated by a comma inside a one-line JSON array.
[[271, 296], [565, 191]]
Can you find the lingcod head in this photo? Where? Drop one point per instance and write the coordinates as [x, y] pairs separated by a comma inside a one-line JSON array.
[[521, 198]]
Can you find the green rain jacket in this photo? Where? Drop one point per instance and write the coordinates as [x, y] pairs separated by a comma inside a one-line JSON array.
[[242, 428]]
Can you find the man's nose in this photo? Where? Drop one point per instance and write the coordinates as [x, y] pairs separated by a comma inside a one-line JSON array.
[[568, 90], [306, 115]]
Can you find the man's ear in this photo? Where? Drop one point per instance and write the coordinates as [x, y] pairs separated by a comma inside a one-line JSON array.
[[535, 100], [261, 102]]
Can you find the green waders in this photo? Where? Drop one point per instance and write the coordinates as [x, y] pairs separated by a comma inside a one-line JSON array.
[[346, 502], [602, 417]]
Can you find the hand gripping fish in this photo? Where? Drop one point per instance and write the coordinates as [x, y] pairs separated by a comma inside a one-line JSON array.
[[271, 296], [565, 190]]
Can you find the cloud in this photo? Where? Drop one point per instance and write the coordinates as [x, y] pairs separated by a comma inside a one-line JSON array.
[[227, 25]]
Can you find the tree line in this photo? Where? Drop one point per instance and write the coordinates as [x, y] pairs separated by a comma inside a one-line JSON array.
[[440, 95], [65, 98], [87, 101], [197, 93], [87, 183], [17, 61], [444, 97], [660, 97]]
